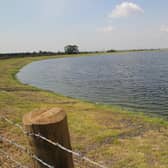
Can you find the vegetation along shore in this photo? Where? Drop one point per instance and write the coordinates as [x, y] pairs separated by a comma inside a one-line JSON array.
[[110, 135]]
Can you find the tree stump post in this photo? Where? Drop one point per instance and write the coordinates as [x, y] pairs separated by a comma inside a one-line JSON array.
[[51, 124]]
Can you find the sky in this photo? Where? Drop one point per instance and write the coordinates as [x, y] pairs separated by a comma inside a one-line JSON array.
[[49, 25]]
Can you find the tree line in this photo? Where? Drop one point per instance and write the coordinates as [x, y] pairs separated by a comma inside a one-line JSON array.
[[68, 49]]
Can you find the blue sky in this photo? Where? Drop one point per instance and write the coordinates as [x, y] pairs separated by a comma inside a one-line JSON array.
[[92, 24]]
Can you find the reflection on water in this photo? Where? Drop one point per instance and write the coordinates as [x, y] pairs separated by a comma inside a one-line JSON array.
[[137, 81]]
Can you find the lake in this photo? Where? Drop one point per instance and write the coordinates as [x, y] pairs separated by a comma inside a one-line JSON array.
[[137, 81]]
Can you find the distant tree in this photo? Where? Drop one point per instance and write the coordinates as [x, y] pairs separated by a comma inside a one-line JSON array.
[[111, 51], [71, 49]]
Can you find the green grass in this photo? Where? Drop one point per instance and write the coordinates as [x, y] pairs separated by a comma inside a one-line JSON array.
[[115, 137]]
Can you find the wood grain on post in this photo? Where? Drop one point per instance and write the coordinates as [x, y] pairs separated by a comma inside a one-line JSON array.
[[51, 124]]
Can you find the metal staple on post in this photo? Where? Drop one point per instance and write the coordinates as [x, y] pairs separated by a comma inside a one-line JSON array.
[[84, 158], [67, 150]]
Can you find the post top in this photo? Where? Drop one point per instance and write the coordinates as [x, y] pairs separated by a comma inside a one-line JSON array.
[[44, 116]]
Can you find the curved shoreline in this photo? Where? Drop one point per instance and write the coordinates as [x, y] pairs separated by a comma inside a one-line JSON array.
[[119, 108]]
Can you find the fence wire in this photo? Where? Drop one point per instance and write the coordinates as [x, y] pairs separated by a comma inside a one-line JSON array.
[[23, 149], [78, 161], [7, 156]]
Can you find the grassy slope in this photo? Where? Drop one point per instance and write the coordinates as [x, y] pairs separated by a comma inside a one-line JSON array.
[[108, 135]]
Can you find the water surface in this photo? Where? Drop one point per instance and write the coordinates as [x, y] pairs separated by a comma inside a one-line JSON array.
[[137, 81]]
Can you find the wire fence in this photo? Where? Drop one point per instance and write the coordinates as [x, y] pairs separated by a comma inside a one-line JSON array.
[[80, 161], [10, 158]]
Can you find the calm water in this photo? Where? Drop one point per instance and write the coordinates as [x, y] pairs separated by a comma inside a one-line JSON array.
[[137, 81]]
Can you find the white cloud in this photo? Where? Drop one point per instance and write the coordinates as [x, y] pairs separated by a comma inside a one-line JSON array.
[[164, 28], [106, 29], [125, 9]]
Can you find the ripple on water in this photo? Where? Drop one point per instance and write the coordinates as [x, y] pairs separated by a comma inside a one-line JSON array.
[[137, 81]]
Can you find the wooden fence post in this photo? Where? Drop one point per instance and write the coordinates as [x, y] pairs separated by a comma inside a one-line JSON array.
[[51, 124]]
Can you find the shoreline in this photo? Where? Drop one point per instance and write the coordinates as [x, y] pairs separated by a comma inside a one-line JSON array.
[[118, 108], [21, 55]]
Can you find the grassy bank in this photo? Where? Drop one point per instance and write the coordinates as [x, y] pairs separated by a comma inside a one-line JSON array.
[[109, 135]]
